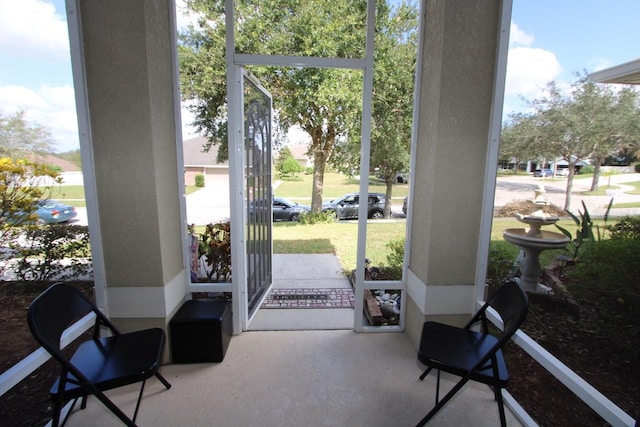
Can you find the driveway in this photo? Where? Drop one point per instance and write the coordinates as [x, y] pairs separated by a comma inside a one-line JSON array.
[[209, 204]]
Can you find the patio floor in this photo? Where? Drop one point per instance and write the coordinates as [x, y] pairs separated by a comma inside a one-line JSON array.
[[280, 376], [300, 378]]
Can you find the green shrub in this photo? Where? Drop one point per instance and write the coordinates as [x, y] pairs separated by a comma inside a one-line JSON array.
[[395, 258], [53, 252], [288, 167], [609, 270], [316, 218], [499, 266], [586, 169], [584, 230], [626, 228], [308, 171], [199, 180], [637, 167]]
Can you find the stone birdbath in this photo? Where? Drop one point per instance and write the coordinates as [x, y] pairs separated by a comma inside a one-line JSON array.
[[533, 241]]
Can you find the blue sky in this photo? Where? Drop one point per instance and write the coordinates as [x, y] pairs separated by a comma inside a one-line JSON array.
[[550, 40]]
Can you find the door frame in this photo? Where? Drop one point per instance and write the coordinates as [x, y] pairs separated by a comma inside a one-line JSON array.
[[235, 62]]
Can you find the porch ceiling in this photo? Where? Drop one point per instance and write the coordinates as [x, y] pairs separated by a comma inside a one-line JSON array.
[[627, 73]]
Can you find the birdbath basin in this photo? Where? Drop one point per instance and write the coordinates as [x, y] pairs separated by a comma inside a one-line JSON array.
[[540, 239], [532, 242]]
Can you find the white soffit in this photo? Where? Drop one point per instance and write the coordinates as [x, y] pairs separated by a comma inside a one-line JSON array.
[[627, 73]]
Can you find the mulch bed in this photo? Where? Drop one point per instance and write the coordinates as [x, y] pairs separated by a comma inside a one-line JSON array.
[[28, 403], [586, 340]]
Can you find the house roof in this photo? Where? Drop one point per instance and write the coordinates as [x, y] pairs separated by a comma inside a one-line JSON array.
[[299, 151], [64, 165], [193, 155], [627, 73]]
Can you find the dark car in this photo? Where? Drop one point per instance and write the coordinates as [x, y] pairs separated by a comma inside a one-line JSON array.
[[286, 210], [346, 207], [543, 173]]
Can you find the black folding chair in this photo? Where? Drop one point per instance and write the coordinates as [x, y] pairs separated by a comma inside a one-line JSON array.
[[473, 355], [98, 364]]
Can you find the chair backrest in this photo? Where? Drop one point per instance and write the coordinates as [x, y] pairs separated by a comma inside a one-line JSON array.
[[512, 304], [55, 310]]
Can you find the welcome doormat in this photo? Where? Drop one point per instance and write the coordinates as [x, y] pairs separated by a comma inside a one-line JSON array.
[[309, 298]]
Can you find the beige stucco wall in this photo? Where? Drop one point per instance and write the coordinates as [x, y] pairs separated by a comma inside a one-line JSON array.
[[128, 48], [459, 56]]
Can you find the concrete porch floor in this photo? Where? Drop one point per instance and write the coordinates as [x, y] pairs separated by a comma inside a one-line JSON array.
[[280, 376], [300, 378]]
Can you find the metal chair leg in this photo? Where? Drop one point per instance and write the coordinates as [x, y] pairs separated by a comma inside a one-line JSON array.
[[163, 380], [425, 373], [443, 402]]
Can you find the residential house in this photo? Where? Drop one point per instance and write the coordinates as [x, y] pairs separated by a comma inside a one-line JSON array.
[[200, 162]]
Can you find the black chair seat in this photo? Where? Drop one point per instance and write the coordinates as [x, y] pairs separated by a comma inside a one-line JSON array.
[[458, 351], [99, 364], [107, 362], [473, 355]]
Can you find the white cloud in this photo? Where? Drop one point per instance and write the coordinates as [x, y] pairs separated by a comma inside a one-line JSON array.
[[529, 70], [518, 37], [49, 106], [32, 28]]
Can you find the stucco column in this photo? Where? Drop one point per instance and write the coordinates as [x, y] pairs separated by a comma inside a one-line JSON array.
[[128, 51], [459, 60]]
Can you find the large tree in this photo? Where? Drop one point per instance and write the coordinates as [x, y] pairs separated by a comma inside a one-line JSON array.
[[326, 103], [392, 103], [394, 68], [323, 102], [519, 140], [588, 122], [606, 118], [20, 138]]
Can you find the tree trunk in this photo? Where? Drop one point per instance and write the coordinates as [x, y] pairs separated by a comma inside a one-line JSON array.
[[596, 174], [567, 199], [319, 163], [387, 197]]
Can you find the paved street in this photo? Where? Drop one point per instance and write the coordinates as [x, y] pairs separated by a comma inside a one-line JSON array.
[[522, 188], [211, 204]]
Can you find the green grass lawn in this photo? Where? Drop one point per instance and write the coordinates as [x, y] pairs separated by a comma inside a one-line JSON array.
[[339, 238], [602, 190], [636, 187], [72, 195]]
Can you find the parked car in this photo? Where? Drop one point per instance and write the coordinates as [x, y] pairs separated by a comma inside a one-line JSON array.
[[53, 212], [562, 172], [286, 210], [404, 205], [543, 173], [346, 207]]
